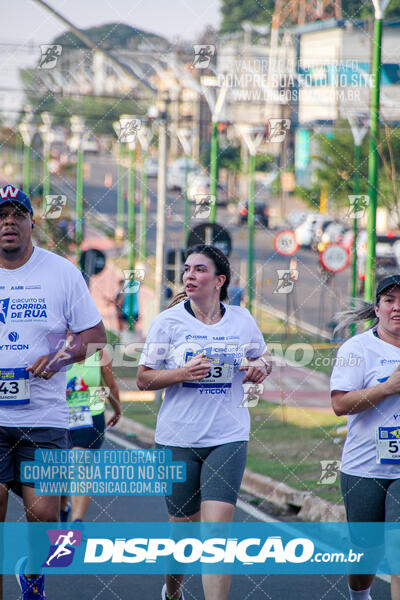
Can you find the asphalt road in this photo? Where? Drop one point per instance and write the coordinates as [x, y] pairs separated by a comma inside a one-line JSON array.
[[143, 587], [312, 300]]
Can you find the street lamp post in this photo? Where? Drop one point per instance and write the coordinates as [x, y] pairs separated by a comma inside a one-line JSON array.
[[145, 134], [253, 138], [358, 132], [216, 104], [373, 152], [126, 129], [131, 222], [47, 137], [27, 130], [161, 201], [78, 129], [186, 140]]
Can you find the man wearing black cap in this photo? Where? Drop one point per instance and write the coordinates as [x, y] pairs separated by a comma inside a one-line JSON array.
[[42, 297]]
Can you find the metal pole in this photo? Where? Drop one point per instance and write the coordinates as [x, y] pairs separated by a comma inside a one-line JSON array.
[[373, 163], [131, 225], [143, 207], [214, 171], [187, 205], [250, 222], [46, 188], [161, 201], [120, 192], [357, 155], [79, 204], [27, 169]]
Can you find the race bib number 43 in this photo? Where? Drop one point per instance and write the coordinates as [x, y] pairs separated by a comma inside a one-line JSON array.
[[388, 445], [14, 386]]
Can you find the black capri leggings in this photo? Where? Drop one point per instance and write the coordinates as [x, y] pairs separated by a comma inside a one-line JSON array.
[[212, 473]]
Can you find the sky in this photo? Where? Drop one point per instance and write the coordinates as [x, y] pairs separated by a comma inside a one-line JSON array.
[[28, 21]]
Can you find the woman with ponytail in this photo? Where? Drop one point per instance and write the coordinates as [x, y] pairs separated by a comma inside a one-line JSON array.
[[202, 350], [365, 385]]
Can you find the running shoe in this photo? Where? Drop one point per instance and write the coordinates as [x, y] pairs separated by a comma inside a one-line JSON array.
[[164, 593], [32, 589], [64, 514]]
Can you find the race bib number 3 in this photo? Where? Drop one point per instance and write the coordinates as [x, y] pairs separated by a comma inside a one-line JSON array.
[[14, 386], [388, 445], [79, 416], [219, 376]]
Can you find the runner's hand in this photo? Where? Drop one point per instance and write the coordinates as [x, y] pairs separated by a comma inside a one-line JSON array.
[[39, 367], [196, 368], [393, 383], [115, 418], [256, 371]]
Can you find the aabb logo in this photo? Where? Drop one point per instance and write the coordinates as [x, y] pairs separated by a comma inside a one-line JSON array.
[[62, 547]]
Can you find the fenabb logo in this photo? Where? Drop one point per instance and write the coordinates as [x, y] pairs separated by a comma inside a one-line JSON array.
[[62, 547], [191, 550]]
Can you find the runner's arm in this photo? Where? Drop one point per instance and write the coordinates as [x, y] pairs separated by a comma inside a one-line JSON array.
[[157, 379], [108, 379], [356, 401], [81, 345]]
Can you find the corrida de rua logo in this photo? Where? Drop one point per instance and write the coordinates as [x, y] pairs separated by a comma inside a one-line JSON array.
[[22, 309]]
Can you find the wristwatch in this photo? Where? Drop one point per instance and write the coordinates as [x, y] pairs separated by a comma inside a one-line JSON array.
[[266, 362]]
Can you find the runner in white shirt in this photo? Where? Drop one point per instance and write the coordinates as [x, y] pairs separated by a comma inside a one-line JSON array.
[[42, 297], [208, 349], [365, 384]]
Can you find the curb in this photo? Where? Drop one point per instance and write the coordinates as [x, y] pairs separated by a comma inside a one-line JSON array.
[[312, 508]]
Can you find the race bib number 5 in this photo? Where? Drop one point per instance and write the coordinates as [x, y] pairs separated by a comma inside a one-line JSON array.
[[14, 386], [388, 445]]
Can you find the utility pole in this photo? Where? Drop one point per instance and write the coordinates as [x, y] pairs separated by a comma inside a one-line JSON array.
[[161, 203], [373, 151], [358, 131]]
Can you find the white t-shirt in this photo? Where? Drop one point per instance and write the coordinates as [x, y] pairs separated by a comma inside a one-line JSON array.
[[362, 362], [39, 302], [205, 413]]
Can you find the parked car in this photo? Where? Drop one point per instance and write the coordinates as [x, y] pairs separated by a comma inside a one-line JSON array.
[[295, 218], [177, 171], [261, 213], [386, 257], [306, 230], [200, 186], [332, 233], [151, 166]]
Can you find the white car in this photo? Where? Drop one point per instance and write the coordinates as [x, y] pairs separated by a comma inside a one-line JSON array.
[[151, 166], [176, 173], [305, 231]]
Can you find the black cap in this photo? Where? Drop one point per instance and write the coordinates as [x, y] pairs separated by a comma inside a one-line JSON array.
[[386, 283], [10, 193]]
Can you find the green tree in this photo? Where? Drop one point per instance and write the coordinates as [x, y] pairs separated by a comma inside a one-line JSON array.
[[235, 12], [335, 167]]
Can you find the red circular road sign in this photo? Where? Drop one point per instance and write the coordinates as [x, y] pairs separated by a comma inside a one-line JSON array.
[[335, 258], [285, 243]]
